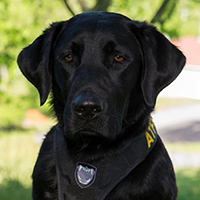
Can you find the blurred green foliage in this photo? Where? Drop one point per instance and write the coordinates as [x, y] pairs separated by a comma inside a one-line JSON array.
[[21, 21]]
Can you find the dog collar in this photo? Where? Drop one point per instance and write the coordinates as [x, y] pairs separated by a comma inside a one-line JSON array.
[[94, 181]]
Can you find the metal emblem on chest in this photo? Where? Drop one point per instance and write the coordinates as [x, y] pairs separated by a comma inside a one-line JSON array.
[[85, 174]]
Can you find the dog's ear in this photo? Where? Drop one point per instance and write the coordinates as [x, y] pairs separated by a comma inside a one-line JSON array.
[[162, 61], [35, 60]]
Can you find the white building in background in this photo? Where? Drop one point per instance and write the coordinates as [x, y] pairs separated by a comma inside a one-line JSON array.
[[187, 85]]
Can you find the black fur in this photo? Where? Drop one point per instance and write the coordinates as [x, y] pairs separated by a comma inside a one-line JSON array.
[[128, 90]]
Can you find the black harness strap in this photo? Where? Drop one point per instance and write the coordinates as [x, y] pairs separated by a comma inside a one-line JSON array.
[[94, 181]]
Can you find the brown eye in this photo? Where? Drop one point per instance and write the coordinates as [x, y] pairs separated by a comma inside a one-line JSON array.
[[119, 59], [69, 58]]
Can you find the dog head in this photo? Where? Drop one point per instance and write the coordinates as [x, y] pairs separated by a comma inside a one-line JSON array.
[[103, 69]]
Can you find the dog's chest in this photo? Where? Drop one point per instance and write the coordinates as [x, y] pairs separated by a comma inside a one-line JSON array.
[[94, 181]]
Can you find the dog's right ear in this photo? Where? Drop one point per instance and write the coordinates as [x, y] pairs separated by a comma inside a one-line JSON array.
[[35, 60]]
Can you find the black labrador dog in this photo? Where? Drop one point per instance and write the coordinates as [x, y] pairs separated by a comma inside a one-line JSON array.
[[105, 72]]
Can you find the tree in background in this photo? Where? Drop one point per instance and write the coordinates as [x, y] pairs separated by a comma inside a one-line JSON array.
[[100, 5], [160, 12], [164, 12]]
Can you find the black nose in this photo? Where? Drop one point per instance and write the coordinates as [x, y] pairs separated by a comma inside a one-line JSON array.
[[87, 106]]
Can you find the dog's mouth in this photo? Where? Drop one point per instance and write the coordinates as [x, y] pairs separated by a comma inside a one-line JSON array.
[[85, 137], [89, 133], [84, 133], [87, 141]]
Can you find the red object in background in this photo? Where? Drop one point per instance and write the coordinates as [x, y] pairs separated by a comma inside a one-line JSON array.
[[190, 46]]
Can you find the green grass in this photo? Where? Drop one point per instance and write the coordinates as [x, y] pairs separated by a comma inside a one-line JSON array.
[[188, 181], [165, 103], [18, 154], [19, 151], [187, 147]]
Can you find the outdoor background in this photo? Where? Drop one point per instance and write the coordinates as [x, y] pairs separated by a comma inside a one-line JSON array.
[[23, 123]]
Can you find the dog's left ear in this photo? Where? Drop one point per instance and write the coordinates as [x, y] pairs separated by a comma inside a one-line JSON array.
[[35, 60], [162, 61]]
